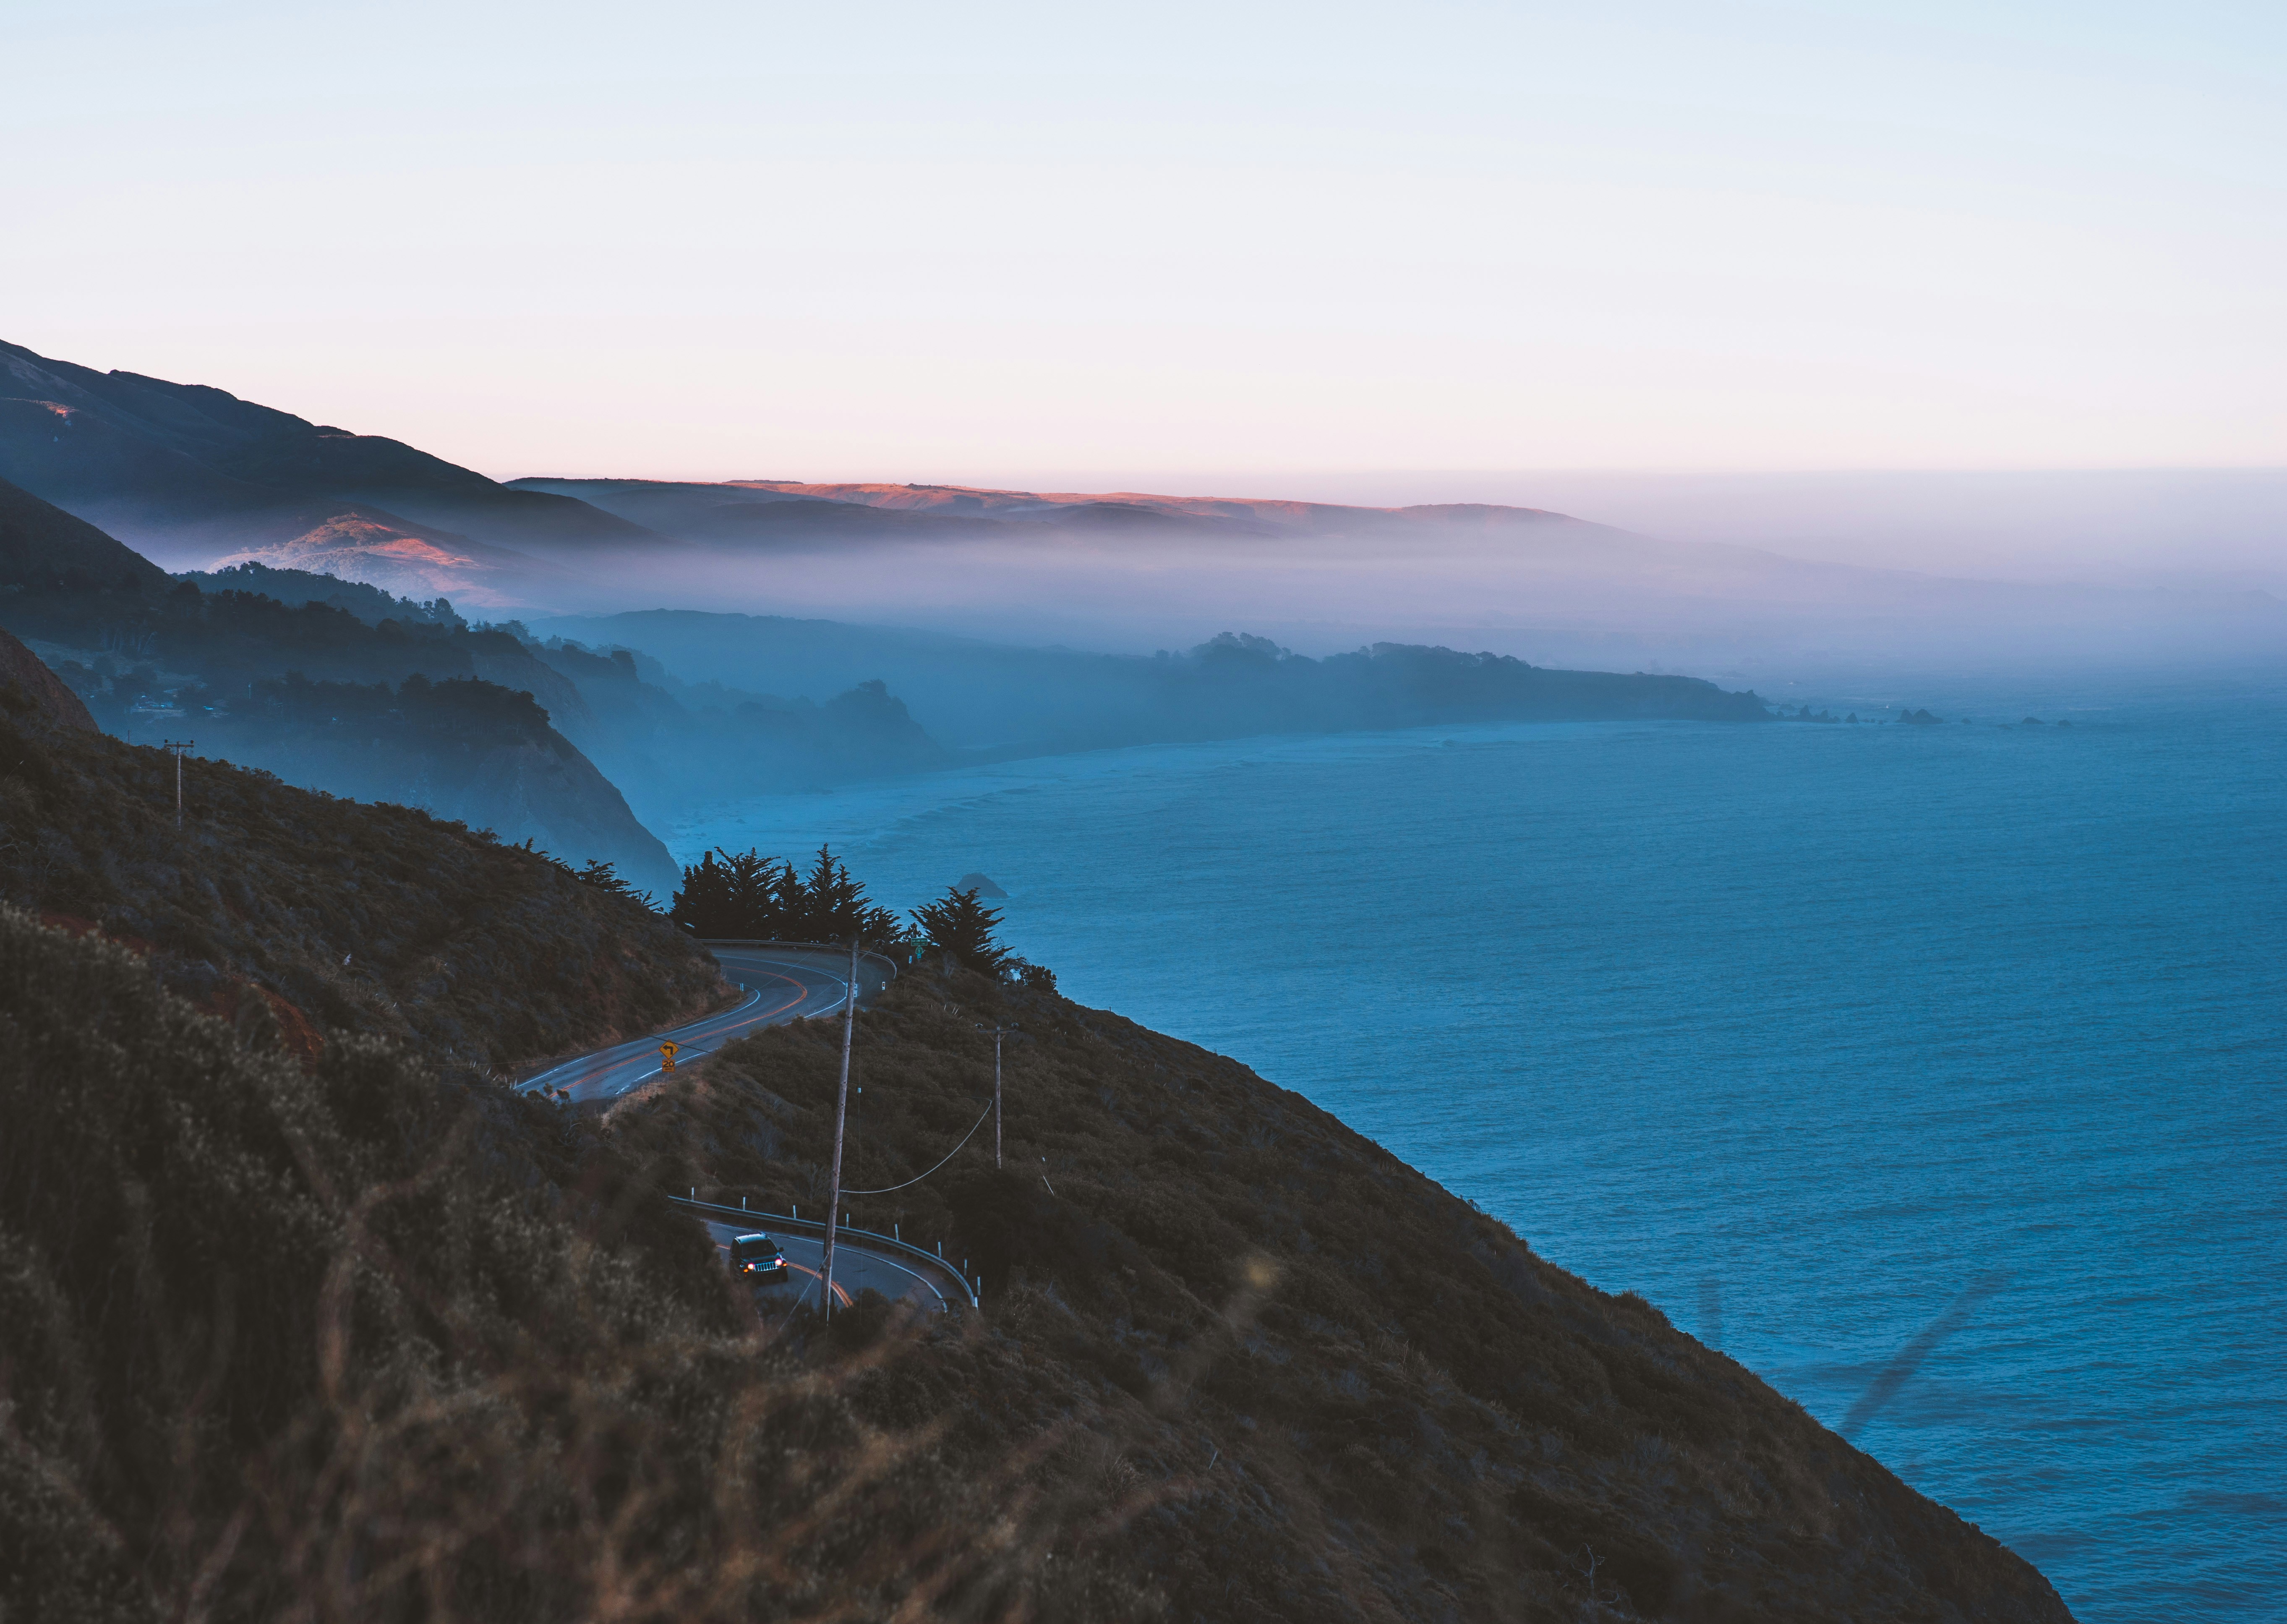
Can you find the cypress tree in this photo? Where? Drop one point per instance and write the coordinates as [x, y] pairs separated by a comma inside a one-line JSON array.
[[959, 924], [703, 905], [755, 908], [737, 897]]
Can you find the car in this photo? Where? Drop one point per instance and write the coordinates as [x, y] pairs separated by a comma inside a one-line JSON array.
[[757, 1256]]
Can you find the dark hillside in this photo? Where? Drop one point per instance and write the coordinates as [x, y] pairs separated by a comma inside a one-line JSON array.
[[295, 587], [295, 1324], [1298, 1379], [42, 546], [43, 692], [346, 1341], [325, 1330], [149, 455], [264, 681], [374, 919]]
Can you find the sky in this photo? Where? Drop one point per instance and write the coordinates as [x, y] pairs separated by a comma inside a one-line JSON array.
[[1197, 244]]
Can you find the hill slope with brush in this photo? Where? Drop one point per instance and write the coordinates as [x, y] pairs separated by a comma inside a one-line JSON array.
[[373, 919], [302, 1315], [1285, 1375]]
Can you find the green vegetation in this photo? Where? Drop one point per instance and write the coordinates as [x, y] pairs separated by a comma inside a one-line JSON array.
[[214, 643], [362, 918], [959, 924], [351, 1341], [748, 897], [297, 587]]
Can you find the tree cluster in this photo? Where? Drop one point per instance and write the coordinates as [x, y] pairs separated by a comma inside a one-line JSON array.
[[959, 924], [595, 872], [747, 896]]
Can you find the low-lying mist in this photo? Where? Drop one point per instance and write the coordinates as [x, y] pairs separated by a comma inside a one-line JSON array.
[[1559, 592], [2194, 528]]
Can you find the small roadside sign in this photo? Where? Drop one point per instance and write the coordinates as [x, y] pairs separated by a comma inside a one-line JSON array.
[[667, 1053]]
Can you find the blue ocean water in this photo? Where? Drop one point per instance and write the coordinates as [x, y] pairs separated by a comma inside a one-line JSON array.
[[1824, 1039]]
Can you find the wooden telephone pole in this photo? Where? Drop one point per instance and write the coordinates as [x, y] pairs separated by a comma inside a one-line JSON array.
[[841, 1116], [998, 1034], [179, 746]]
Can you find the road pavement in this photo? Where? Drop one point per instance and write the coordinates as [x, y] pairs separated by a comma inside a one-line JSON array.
[[777, 985], [855, 1269]]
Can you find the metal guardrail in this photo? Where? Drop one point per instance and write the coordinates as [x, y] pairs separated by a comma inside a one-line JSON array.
[[872, 1240]]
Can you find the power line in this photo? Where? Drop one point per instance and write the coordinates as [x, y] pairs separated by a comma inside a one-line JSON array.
[[949, 1156]]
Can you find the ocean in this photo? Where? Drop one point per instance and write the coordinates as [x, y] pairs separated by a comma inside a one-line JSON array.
[[1933, 1073]]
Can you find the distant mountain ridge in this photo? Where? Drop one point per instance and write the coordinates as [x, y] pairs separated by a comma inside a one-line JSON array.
[[786, 510], [196, 473], [41, 545], [194, 477], [200, 479]]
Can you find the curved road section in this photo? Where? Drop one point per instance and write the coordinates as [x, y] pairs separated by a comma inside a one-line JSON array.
[[862, 1262], [776, 985]]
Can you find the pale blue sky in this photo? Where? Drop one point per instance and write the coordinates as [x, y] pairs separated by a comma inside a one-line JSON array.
[[1009, 242]]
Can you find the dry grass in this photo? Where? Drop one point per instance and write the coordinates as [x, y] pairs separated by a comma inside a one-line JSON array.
[[351, 1344], [1304, 1382]]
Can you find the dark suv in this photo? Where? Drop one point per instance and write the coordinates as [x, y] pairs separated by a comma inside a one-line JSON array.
[[759, 1256]]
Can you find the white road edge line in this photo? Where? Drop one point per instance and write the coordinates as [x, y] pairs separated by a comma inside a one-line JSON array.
[[704, 1028]]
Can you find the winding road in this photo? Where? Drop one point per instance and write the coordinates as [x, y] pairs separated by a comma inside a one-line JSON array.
[[777, 984], [860, 1262]]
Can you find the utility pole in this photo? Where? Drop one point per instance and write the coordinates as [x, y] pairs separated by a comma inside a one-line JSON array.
[[841, 1116], [998, 1034], [179, 746]]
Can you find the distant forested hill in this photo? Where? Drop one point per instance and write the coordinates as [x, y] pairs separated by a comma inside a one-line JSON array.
[[421, 710], [972, 694]]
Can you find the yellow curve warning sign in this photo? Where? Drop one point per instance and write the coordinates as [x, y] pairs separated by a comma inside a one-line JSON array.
[[667, 1053]]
